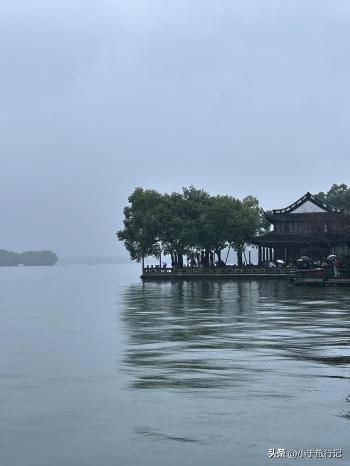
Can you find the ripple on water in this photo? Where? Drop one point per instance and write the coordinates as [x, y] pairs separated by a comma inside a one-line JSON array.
[[230, 341]]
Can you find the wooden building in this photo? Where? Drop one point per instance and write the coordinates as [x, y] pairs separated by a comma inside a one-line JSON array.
[[308, 227]]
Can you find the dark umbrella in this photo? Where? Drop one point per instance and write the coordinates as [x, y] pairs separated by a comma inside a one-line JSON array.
[[305, 258]]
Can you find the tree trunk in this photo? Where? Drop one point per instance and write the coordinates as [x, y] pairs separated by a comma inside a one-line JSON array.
[[206, 258], [211, 256], [239, 258], [228, 252]]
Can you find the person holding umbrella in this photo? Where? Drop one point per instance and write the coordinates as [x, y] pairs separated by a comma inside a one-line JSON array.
[[332, 258], [280, 264], [304, 262]]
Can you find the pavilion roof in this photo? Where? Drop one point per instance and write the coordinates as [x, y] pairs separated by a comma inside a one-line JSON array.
[[309, 200]]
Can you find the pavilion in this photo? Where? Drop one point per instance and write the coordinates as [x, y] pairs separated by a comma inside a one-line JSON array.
[[308, 227]]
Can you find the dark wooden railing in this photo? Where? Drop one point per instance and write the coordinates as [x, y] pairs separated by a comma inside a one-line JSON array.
[[217, 270], [298, 277], [322, 274]]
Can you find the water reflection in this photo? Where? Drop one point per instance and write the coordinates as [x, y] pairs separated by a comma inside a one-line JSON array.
[[214, 335]]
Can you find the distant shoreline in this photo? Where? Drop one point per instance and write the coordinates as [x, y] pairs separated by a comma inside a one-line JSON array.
[[27, 258]]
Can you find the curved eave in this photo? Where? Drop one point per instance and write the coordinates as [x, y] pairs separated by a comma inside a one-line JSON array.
[[290, 216], [307, 197], [272, 238]]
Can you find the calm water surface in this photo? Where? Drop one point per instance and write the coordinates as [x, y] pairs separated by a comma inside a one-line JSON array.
[[99, 369]]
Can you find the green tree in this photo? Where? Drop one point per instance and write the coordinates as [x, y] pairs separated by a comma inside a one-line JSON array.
[[197, 202], [188, 223], [174, 227], [142, 224], [337, 196], [248, 221], [216, 225]]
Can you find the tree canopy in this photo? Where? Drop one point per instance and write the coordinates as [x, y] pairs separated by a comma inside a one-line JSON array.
[[192, 223], [337, 196]]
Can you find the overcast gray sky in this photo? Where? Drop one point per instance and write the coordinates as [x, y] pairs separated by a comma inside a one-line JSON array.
[[98, 97]]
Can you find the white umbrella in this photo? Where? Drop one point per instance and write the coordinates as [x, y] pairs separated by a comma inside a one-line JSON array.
[[332, 256], [280, 261]]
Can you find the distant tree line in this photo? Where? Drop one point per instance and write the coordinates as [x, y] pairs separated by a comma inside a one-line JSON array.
[[192, 223], [8, 258]]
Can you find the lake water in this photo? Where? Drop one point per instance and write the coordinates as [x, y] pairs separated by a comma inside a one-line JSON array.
[[99, 369]]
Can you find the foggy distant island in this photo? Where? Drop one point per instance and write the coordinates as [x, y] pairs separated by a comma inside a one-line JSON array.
[[8, 258]]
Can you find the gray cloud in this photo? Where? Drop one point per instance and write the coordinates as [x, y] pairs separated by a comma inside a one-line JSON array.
[[100, 97]]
